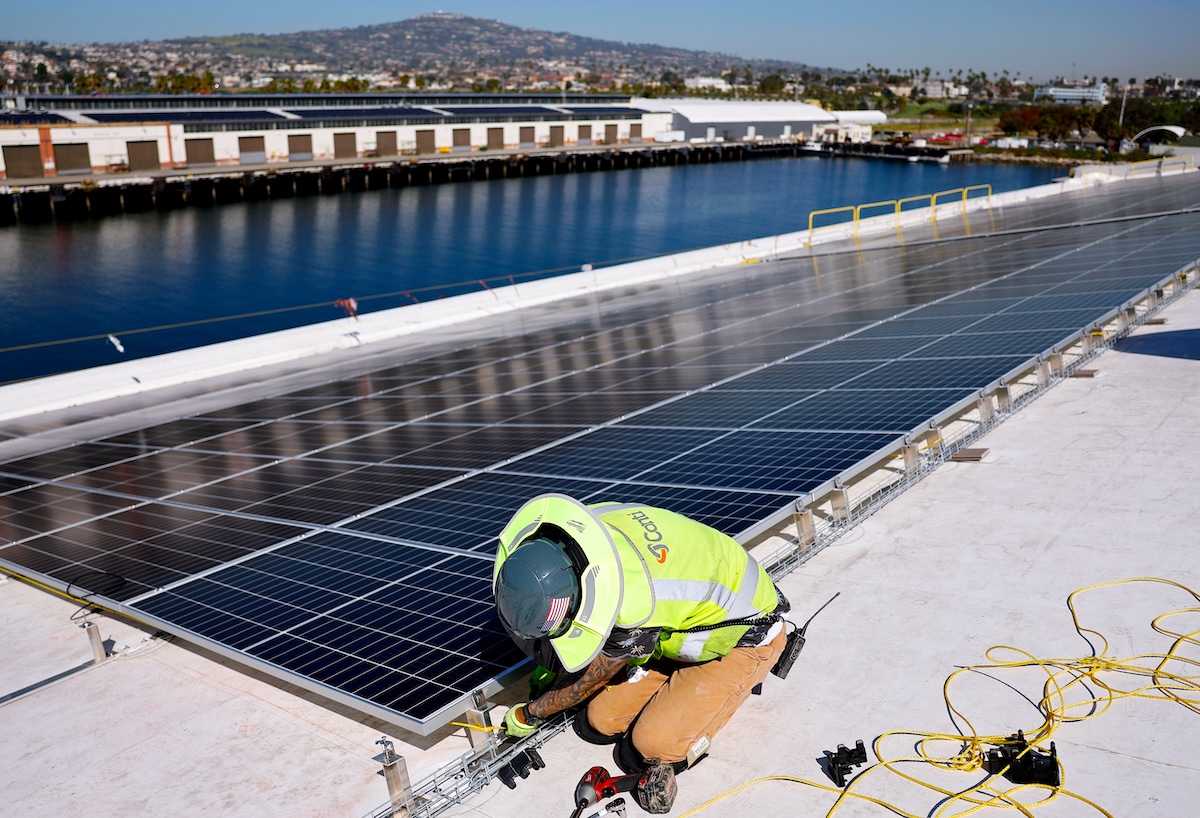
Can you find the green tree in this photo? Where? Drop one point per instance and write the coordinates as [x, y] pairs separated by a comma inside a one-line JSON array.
[[771, 84]]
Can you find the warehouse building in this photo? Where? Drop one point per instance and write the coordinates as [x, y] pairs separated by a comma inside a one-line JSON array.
[[52, 136], [57, 135]]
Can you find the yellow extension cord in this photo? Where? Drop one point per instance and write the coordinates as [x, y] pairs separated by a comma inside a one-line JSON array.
[[1063, 677]]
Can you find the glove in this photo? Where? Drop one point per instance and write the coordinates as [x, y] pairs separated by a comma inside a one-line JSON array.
[[514, 727], [540, 681]]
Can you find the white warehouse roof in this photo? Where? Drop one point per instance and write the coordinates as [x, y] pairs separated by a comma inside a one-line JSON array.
[[860, 117], [719, 110]]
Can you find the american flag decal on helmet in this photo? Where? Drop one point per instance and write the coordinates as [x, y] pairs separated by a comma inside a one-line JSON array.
[[556, 614]]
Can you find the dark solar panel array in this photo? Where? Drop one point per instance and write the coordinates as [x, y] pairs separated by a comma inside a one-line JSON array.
[[500, 111], [214, 115], [391, 112], [15, 118], [601, 110], [343, 532]]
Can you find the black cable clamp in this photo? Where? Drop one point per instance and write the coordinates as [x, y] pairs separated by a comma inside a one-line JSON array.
[[839, 763], [520, 764], [1023, 763]]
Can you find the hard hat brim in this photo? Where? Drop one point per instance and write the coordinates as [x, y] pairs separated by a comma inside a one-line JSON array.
[[601, 583]]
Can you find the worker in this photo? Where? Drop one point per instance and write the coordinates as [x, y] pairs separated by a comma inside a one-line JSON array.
[[621, 599]]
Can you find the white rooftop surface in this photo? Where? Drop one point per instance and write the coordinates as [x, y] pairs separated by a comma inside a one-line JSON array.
[[1091, 483], [721, 110]]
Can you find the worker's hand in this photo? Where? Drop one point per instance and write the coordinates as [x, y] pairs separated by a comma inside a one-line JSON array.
[[513, 724]]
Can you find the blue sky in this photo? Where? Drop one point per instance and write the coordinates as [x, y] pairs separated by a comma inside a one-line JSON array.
[[1039, 40]]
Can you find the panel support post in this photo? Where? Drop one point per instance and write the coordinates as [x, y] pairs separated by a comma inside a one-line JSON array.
[[839, 498], [912, 456], [1055, 362], [99, 652], [1043, 373], [806, 529], [987, 410], [479, 716], [395, 772], [1004, 397], [933, 441]]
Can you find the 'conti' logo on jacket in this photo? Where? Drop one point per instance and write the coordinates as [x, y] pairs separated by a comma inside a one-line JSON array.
[[653, 536]]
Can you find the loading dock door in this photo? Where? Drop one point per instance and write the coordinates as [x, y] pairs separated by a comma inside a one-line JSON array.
[[73, 158], [635, 132], [143, 155], [495, 139], [527, 137], [585, 134], [556, 136], [610, 134], [199, 152], [23, 161], [299, 147], [385, 143], [425, 142], [252, 150], [345, 146], [462, 139]]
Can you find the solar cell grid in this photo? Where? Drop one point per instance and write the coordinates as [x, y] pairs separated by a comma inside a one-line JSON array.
[[784, 462], [797, 375], [677, 379], [269, 409], [890, 411], [47, 507], [715, 409], [469, 513], [59, 463], [448, 447], [1065, 321], [723, 509], [353, 491], [938, 373], [150, 547], [1027, 342], [917, 325], [618, 452]]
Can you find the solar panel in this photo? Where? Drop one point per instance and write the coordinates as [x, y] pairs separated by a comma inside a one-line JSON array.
[[340, 533]]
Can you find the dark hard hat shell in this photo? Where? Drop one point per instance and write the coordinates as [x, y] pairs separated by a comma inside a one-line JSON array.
[[537, 590]]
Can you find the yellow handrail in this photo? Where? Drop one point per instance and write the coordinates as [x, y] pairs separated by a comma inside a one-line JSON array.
[[988, 188], [816, 213], [900, 205], [859, 209], [1161, 162], [897, 206]]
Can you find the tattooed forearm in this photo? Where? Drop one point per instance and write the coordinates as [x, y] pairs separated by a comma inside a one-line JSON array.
[[593, 677]]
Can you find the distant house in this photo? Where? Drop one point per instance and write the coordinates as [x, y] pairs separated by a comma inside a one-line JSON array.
[[1073, 94], [939, 89], [707, 84]]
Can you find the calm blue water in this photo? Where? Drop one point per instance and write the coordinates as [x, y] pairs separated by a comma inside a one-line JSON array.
[[150, 270]]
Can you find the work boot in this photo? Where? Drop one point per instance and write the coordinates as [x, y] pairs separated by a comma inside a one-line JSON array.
[[631, 762]]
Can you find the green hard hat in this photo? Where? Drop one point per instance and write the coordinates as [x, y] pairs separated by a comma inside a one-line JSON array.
[[537, 590]]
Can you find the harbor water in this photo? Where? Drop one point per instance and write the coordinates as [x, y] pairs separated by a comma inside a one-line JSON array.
[[158, 282]]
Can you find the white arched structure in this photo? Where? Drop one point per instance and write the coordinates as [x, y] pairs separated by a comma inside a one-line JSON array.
[[1175, 129]]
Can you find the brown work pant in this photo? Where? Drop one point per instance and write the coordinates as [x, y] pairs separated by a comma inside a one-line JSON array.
[[674, 709]]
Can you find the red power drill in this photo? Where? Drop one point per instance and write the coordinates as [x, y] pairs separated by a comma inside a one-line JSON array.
[[655, 788]]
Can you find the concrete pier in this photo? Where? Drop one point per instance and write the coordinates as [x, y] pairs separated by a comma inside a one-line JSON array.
[[93, 196]]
